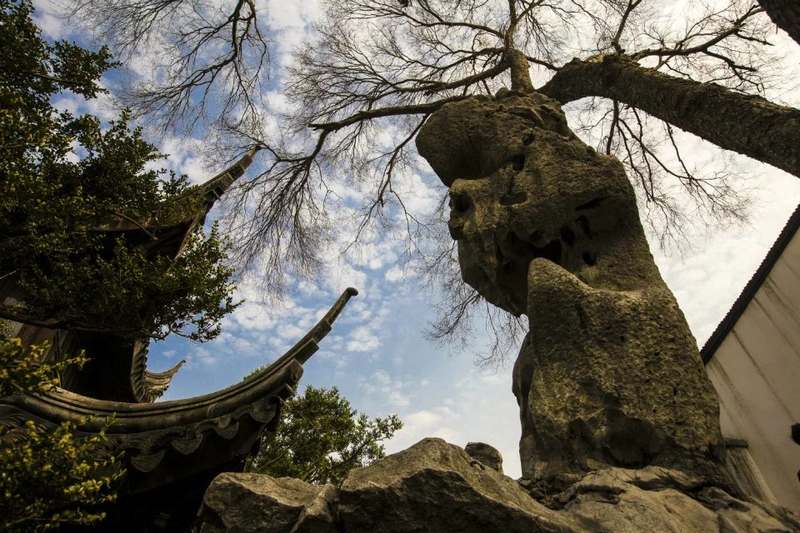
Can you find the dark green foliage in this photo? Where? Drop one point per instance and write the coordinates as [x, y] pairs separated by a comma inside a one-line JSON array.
[[65, 181], [320, 438]]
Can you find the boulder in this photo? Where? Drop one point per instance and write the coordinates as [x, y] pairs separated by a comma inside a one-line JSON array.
[[487, 455], [662, 500], [246, 502], [436, 486]]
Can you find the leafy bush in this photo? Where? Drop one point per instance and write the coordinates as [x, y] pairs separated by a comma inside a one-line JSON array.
[[48, 476]]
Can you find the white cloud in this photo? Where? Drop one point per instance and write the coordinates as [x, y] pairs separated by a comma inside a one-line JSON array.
[[386, 389], [291, 332], [253, 316], [46, 17], [362, 339], [185, 156], [202, 356], [395, 273]]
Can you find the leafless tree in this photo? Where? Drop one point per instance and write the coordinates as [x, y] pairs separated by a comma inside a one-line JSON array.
[[210, 60], [382, 62], [388, 64]]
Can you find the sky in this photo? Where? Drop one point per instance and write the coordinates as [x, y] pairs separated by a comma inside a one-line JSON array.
[[378, 354]]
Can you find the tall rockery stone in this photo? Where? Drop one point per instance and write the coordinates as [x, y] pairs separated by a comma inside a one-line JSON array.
[[609, 374]]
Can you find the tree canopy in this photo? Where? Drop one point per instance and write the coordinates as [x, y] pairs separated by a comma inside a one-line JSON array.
[[320, 438], [66, 182]]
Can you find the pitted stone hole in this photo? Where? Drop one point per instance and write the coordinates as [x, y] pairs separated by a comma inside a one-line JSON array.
[[550, 251], [589, 258], [528, 139], [536, 236], [796, 433], [583, 223], [567, 235], [518, 161], [460, 203], [591, 204], [520, 247], [513, 198]]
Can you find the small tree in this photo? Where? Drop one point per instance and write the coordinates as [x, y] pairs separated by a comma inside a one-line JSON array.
[[48, 478], [320, 438]]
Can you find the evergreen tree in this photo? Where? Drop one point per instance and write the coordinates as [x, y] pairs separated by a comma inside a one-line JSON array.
[[320, 438], [66, 181]]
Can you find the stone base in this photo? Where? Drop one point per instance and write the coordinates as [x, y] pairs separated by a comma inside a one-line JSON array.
[[437, 487]]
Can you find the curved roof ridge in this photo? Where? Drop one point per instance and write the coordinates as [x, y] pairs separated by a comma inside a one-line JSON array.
[[65, 405], [213, 188]]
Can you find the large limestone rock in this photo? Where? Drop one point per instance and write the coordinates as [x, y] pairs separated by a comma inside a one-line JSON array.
[[609, 375], [485, 454], [436, 487], [244, 503]]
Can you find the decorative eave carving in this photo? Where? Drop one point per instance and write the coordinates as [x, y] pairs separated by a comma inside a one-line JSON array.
[[149, 386]]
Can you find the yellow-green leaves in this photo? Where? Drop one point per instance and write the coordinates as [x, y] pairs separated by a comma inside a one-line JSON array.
[[21, 368], [48, 475]]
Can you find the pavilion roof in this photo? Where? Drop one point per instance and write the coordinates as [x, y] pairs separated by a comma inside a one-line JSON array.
[[198, 434]]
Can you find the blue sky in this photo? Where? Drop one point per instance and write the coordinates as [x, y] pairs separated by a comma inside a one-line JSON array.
[[377, 353]]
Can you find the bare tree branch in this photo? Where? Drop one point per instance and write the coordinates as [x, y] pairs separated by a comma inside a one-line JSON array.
[[378, 66], [217, 57]]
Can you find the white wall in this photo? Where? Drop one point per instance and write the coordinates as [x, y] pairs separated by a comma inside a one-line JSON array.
[[756, 372]]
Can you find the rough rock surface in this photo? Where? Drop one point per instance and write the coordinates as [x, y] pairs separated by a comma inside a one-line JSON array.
[[658, 499], [609, 374], [486, 454], [436, 487], [245, 502]]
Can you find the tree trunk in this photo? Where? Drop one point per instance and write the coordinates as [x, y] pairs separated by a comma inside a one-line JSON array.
[[786, 14], [746, 124], [520, 76]]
